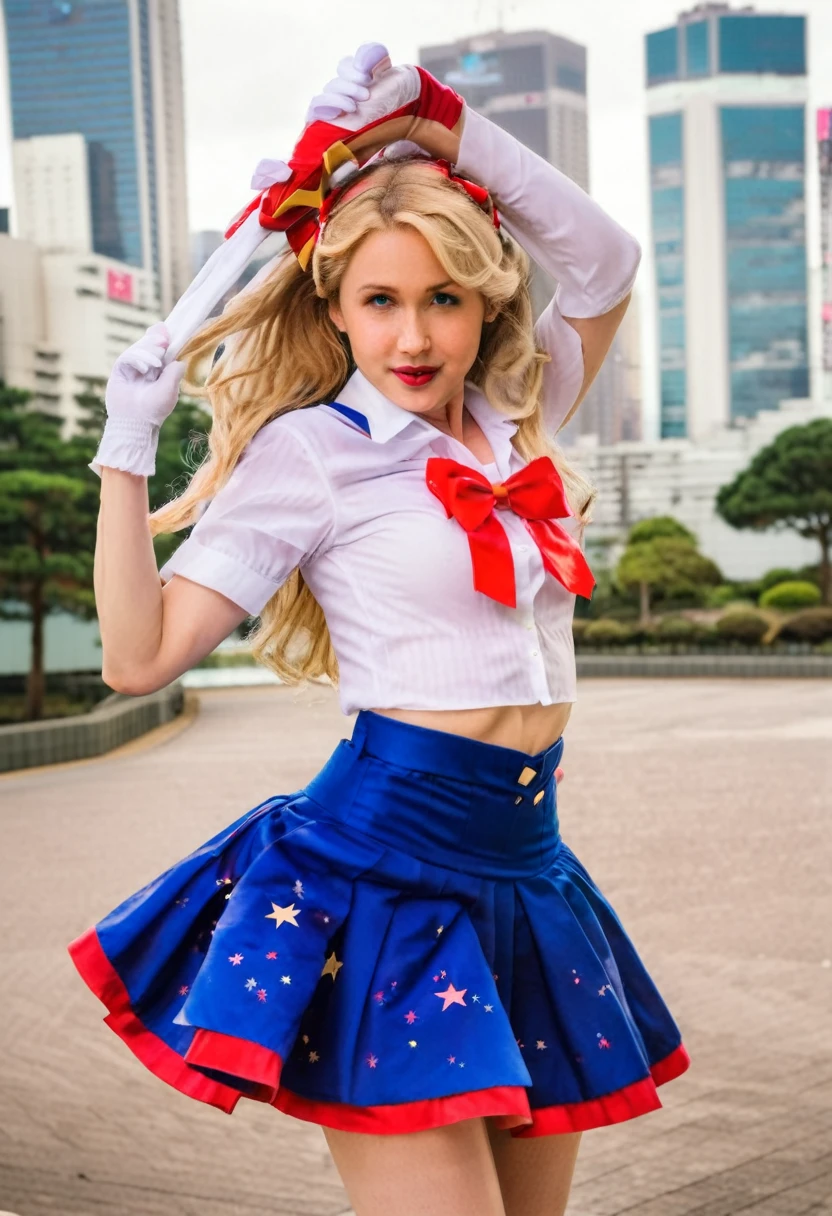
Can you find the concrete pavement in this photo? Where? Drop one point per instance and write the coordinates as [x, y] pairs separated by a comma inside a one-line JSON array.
[[703, 810]]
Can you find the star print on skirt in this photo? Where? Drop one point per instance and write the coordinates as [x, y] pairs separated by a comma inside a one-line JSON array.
[[405, 943]]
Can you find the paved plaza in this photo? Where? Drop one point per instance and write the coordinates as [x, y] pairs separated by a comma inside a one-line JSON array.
[[703, 809]]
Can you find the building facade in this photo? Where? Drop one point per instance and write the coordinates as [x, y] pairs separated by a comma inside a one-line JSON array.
[[108, 71], [64, 320], [533, 84], [726, 94], [824, 119]]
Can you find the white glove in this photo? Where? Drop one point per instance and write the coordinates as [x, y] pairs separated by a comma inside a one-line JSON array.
[[351, 85], [141, 392]]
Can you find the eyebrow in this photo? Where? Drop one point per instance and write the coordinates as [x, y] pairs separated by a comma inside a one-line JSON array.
[[382, 287]]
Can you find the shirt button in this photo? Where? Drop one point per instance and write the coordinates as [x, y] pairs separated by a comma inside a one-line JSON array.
[[534, 654], [530, 624]]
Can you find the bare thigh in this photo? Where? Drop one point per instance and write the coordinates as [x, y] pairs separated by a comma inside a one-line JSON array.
[[431, 1173], [535, 1175]]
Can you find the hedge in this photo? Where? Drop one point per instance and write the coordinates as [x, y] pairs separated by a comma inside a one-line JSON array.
[[787, 597]]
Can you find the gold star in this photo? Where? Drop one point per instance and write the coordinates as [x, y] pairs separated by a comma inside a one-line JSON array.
[[440, 929], [284, 915], [452, 996], [314, 1057], [332, 966], [411, 1042]]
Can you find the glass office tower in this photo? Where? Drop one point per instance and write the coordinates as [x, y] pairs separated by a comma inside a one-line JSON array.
[[110, 70], [727, 116]]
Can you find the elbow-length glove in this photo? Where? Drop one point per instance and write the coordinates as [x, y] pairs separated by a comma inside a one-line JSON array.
[[568, 234]]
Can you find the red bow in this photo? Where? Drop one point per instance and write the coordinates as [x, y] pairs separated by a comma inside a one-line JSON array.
[[536, 494]]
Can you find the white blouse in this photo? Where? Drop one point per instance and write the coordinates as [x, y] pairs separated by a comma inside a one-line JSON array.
[[339, 490]]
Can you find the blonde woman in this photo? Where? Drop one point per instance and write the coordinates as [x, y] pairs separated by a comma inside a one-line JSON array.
[[406, 951]]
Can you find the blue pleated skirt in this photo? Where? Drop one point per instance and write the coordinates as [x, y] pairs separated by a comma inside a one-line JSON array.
[[404, 943]]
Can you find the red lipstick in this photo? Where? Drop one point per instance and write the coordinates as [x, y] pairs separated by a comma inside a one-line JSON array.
[[415, 376]]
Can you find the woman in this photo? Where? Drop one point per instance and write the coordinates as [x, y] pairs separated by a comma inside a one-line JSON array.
[[405, 952]]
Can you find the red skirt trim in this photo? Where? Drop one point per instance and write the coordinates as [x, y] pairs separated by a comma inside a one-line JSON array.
[[508, 1104]]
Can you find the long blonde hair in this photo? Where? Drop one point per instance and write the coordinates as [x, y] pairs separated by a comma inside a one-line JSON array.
[[287, 353]]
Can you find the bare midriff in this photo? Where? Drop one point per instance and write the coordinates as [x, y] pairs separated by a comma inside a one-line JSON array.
[[526, 728]]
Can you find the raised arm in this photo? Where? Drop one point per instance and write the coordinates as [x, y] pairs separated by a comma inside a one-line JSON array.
[[566, 232]]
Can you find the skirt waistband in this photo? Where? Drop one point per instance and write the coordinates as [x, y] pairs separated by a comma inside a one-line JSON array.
[[444, 798]]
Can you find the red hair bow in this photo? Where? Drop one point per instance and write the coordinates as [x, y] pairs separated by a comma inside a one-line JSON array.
[[301, 204], [536, 494]]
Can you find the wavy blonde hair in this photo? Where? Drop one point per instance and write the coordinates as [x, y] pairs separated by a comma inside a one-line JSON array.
[[287, 353]]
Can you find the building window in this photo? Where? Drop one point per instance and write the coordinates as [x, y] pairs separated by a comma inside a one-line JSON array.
[[763, 150], [662, 56], [668, 206], [697, 51], [763, 44]]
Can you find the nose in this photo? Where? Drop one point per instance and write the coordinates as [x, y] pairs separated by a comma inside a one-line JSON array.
[[413, 335]]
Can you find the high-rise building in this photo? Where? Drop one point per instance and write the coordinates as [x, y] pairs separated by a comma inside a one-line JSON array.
[[726, 95], [532, 84], [109, 71], [825, 165]]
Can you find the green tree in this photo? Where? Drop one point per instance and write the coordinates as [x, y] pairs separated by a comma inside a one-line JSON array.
[[49, 501], [662, 557], [788, 484], [47, 526]]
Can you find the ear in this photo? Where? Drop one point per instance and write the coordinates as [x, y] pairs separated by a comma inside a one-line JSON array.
[[491, 314], [336, 316]]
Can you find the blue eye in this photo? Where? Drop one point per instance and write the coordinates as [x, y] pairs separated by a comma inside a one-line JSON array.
[[450, 300], [373, 299]]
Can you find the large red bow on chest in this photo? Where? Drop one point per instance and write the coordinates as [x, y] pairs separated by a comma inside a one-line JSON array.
[[536, 494]]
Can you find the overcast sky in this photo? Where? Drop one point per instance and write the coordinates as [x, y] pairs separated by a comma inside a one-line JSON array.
[[251, 67]]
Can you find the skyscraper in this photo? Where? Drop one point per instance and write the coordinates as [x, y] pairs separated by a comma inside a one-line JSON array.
[[532, 84], [110, 71], [727, 112], [825, 166]]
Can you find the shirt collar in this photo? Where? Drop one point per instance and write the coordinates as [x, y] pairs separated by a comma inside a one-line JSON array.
[[385, 419]]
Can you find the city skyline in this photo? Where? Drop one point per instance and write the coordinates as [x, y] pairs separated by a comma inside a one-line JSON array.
[[246, 92], [114, 77]]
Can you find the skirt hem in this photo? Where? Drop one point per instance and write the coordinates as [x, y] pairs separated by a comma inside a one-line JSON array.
[[260, 1068]]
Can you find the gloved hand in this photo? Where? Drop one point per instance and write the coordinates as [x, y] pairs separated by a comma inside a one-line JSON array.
[[369, 105], [141, 392]]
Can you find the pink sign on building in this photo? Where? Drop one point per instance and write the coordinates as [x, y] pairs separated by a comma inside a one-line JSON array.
[[120, 286]]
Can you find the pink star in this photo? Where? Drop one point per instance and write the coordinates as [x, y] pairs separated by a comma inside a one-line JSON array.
[[603, 1043], [452, 996], [313, 1057], [372, 1061], [183, 991], [436, 979], [272, 954], [261, 994], [601, 991], [410, 1017], [235, 959], [452, 1059], [378, 996], [393, 983], [541, 1046]]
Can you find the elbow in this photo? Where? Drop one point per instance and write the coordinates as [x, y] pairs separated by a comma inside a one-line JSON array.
[[131, 683]]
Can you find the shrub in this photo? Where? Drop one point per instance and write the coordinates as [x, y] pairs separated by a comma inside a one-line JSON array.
[[748, 628], [812, 625], [779, 575], [677, 629], [787, 597], [606, 632], [725, 594]]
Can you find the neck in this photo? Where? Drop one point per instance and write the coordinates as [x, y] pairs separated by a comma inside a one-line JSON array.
[[449, 417]]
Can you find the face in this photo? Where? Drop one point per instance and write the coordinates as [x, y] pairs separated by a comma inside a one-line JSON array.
[[414, 333]]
